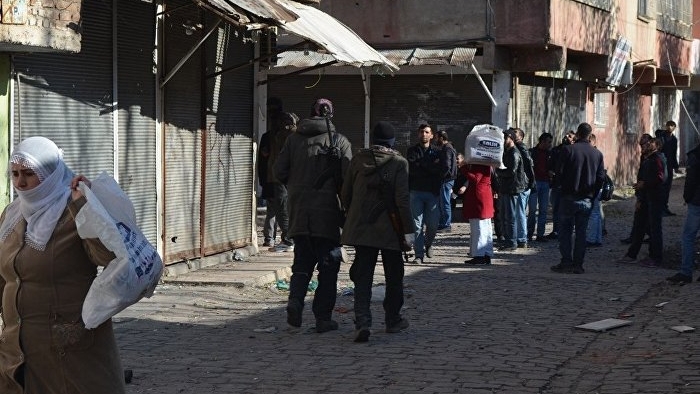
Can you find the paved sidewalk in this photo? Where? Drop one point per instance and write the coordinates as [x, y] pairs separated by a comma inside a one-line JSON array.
[[504, 328]]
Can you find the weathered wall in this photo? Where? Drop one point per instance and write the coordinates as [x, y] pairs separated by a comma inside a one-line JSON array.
[[39, 26], [391, 23], [579, 27]]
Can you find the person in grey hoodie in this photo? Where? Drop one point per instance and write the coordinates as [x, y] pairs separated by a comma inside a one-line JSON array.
[[376, 197], [306, 166]]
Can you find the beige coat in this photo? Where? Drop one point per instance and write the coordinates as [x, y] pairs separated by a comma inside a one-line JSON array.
[[368, 222], [43, 333]]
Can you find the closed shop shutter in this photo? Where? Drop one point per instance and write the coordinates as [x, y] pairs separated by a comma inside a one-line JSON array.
[[182, 136], [549, 105], [525, 108], [68, 97], [228, 189], [453, 103], [136, 110], [298, 94]]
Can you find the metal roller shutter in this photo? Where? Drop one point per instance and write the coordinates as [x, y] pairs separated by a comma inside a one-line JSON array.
[[298, 94], [68, 97], [452, 103], [228, 191], [136, 111], [183, 137]]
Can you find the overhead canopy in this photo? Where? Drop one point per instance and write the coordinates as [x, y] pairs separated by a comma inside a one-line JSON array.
[[456, 57], [314, 25]]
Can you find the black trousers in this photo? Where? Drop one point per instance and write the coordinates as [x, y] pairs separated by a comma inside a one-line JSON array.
[[648, 218], [311, 253], [362, 274]]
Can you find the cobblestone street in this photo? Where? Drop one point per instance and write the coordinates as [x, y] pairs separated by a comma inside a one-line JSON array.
[[503, 328]]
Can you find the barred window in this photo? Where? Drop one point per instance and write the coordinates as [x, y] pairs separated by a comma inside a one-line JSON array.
[[675, 17], [601, 102], [602, 4]]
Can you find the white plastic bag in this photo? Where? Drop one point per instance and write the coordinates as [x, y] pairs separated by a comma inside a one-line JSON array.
[[134, 273], [484, 145]]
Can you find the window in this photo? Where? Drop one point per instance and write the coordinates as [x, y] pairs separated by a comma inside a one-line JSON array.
[[601, 102], [602, 4], [645, 9], [675, 17]]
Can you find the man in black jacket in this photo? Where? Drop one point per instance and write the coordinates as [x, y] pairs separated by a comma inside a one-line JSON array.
[[582, 173], [512, 181], [426, 171], [691, 195], [304, 165], [669, 148], [648, 209]]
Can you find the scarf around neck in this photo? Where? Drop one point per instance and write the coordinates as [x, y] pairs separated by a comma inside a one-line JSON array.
[[43, 205]]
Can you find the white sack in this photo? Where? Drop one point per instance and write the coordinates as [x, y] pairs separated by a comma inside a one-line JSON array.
[[109, 215], [484, 145]]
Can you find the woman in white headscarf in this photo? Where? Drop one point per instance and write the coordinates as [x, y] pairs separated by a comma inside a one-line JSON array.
[[45, 272]]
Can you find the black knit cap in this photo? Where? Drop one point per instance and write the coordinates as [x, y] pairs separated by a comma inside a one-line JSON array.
[[383, 134]]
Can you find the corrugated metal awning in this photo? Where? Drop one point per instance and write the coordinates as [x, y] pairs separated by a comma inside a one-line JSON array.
[[312, 24], [457, 57]]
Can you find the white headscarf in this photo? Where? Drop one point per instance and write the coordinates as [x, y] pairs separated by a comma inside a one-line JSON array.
[[43, 205]]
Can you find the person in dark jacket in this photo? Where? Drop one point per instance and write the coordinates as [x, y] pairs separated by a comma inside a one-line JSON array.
[[306, 165], [691, 228], [274, 113], [449, 156], [524, 196], [582, 174], [538, 203], [375, 187], [669, 147], [648, 209], [277, 211], [426, 171], [554, 185], [511, 182]]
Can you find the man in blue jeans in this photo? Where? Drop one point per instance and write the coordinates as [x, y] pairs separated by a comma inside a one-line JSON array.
[[539, 199], [691, 195], [449, 156], [426, 171], [524, 196], [582, 174]]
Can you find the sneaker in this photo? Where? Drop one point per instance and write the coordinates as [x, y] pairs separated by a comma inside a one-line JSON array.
[[397, 327], [282, 247], [429, 252], [479, 260], [680, 279], [268, 243], [522, 245], [417, 261], [362, 335], [649, 262], [625, 260], [508, 249], [553, 236], [562, 268], [326, 325], [294, 309], [541, 238]]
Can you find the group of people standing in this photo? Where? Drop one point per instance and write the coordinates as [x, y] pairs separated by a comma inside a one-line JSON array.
[[381, 203]]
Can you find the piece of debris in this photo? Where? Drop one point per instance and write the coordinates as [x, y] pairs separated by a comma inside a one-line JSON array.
[[625, 315], [614, 299], [282, 285], [604, 325], [128, 375], [683, 328], [266, 329], [661, 304]]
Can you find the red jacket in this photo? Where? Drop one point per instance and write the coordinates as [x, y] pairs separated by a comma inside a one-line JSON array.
[[478, 199]]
